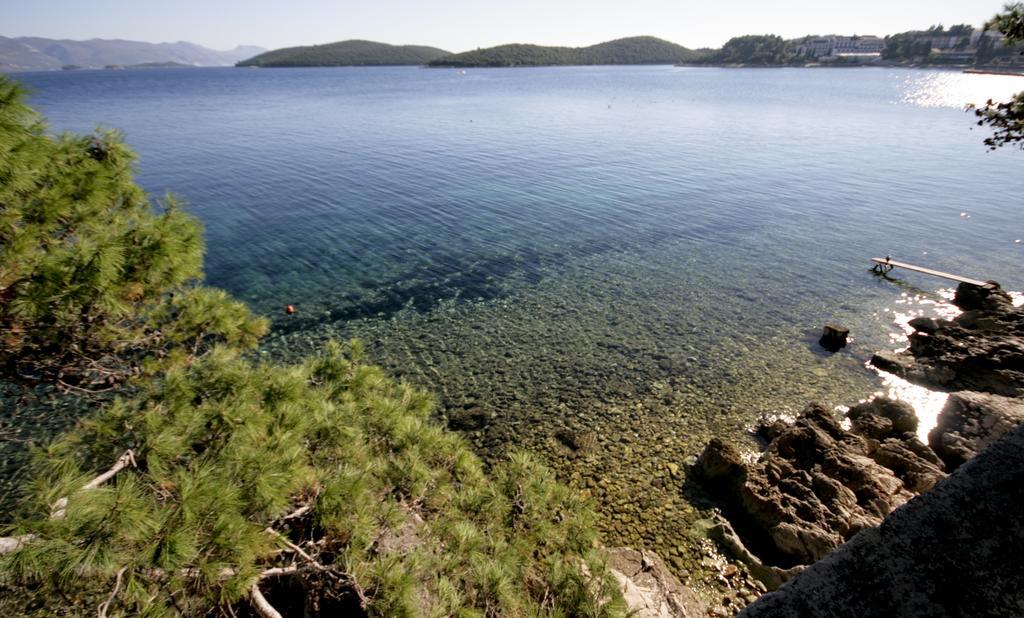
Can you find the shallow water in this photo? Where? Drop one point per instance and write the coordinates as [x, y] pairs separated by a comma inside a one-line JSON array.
[[629, 260]]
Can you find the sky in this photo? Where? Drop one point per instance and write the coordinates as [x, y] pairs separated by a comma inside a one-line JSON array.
[[460, 25]]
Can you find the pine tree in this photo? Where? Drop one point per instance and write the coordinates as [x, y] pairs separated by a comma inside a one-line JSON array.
[[1005, 118], [321, 489], [93, 277]]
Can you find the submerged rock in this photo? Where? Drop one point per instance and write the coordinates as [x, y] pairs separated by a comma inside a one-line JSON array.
[[466, 419], [817, 484], [577, 440]]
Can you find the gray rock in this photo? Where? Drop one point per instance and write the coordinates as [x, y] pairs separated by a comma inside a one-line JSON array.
[[816, 484], [649, 588], [971, 421], [954, 551]]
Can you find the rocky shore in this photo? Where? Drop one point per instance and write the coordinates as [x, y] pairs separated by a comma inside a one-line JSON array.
[[954, 551], [823, 479]]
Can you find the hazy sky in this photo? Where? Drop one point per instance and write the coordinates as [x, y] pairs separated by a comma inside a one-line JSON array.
[[458, 25]]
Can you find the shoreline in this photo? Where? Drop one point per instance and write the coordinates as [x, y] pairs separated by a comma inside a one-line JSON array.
[[819, 485], [1016, 72]]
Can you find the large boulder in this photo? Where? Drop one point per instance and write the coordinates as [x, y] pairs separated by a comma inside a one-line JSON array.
[[987, 298], [971, 421], [899, 416]]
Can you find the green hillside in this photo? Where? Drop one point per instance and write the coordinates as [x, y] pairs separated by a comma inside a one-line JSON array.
[[346, 53], [635, 50]]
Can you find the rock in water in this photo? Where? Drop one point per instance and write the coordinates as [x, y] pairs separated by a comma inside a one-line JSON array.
[[980, 350], [466, 419], [899, 415], [833, 338], [988, 298]]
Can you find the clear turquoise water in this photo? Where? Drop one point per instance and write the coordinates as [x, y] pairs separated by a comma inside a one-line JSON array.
[[324, 186], [647, 254]]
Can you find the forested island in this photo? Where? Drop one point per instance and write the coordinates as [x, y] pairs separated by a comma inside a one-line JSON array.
[[634, 50], [960, 45], [347, 53]]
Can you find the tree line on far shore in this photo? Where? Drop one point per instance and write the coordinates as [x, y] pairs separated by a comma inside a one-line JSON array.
[[937, 45]]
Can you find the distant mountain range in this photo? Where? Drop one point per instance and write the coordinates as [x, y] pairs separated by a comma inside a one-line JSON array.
[[39, 54], [347, 53], [634, 50]]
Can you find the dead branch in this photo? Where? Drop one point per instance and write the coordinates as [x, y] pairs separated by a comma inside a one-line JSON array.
[[260, 603], [102, 610], [278, 571], [59, 508], [299, 512], [295, 548], [127, 459], [346, 578]]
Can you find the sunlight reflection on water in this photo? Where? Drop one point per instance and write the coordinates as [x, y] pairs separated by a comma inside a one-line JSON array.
[[949, 89], [927, 403]]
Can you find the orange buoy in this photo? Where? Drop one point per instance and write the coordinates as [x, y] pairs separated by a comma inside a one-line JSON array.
[[290, 309]]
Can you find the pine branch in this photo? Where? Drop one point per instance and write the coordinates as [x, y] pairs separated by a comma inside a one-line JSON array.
[[11, 544], [125, 460]]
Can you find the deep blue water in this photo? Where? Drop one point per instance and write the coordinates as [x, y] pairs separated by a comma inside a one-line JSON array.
[[648, 211]]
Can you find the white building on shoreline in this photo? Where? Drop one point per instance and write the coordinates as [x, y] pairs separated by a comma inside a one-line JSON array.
[[834, 46]]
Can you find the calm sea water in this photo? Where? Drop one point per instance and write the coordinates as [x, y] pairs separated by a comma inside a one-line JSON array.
[[647, 254]]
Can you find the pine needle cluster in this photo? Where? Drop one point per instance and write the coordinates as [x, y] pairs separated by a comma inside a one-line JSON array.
[[330, 473], [1006, 119], [93, 277]]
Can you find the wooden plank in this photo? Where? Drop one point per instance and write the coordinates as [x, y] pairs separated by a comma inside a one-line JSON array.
[[929, 271]]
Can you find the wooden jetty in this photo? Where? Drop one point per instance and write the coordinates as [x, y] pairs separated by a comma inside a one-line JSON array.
[[884, 265]]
